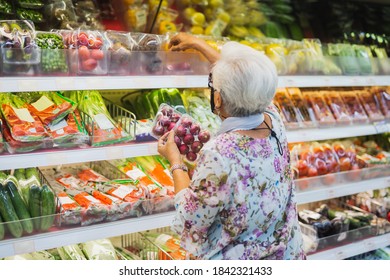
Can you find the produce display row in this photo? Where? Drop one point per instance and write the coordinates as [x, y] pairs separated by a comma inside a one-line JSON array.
[[319, 164], [307, 108], [44, 120], [27, 51], [38, 200]]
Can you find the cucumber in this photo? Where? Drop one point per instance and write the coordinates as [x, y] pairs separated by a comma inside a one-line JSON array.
[[2, 230], [8, 212], [20, 174], [20, 207], [34, 205], [48, 208]]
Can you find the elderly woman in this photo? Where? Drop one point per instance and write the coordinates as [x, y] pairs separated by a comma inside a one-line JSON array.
[[240, 202]]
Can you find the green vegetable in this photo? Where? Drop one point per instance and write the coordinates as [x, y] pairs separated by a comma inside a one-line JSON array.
[[2, 230], [35, 205], [20, 207], [34, 16], [48, 208], [8, 212]]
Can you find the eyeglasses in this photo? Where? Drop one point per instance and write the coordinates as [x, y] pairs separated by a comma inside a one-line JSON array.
[[210, 84]]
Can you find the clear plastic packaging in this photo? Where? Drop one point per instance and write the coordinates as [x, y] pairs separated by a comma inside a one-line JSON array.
[[304, 111], [337, 106], [383, 97], [31, 4], [322, 112], [165, 120], [288, 109], [54, 57], [120, 48], [356, 111], [371, 105]]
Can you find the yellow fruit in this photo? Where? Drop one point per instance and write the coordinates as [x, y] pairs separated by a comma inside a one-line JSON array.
[[198, 19], [273, 49], [167, 26], [245, 42], [257, 46], [188, 12], [216, 3], [224, 16], [196, 29]]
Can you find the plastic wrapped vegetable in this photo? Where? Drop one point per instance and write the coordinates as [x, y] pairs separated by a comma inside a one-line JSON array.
[[371, 105], [54, 58], [304, 110], [356, 111], [288, 109], [51, 107], [98, 121], [24, 125], [101, 249], [322, 112], [71, 252]]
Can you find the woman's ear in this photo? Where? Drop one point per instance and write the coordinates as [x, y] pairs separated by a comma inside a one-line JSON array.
[[217, 99]]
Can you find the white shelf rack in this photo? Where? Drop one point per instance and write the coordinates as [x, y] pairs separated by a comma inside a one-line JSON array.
[[82, 234], [56, 157], [353, 249], [340, 190], [22, 84], [317, 134]]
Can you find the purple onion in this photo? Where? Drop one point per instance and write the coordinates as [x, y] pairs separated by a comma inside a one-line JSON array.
[[158, 130], [204, 136], [196, 146], [191, 156], [181, 131], [164, 121], [187, 122], [177, 141], [183, 149], [188, 139], [194, 129], [171, 126]]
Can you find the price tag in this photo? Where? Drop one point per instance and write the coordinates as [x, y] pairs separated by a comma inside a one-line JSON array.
[[42, 103], [381, 127], [24, 114], [21, 247]]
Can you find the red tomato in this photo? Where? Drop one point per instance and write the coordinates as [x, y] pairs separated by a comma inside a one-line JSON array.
[[84, 53], [321, 167], [345, 164], [97, 54], [82, 39], [89, 64], [302, 167], [96, 44], [312, 172]]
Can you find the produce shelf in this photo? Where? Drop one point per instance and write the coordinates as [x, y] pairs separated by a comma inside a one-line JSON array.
[[23, 84], [329, 192], [48, 83], [82, 234], [56, 157], [333, 81], [336, 132], [353, 249]]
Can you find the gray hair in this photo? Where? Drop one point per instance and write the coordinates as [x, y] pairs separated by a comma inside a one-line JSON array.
[[247, 80]]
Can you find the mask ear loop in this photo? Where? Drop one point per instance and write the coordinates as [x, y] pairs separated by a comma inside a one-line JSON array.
[[212, 90]]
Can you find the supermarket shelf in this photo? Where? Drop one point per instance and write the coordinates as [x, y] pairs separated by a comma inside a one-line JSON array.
[[353, 249], [22, 84], [333, 81], [56, 157], [82, 234], [340, 190], [317, 134]]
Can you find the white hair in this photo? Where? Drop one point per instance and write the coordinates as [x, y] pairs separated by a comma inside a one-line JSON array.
[[247, 80]]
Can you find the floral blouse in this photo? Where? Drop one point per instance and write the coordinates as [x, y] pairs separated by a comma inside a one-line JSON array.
[[240, 203]]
